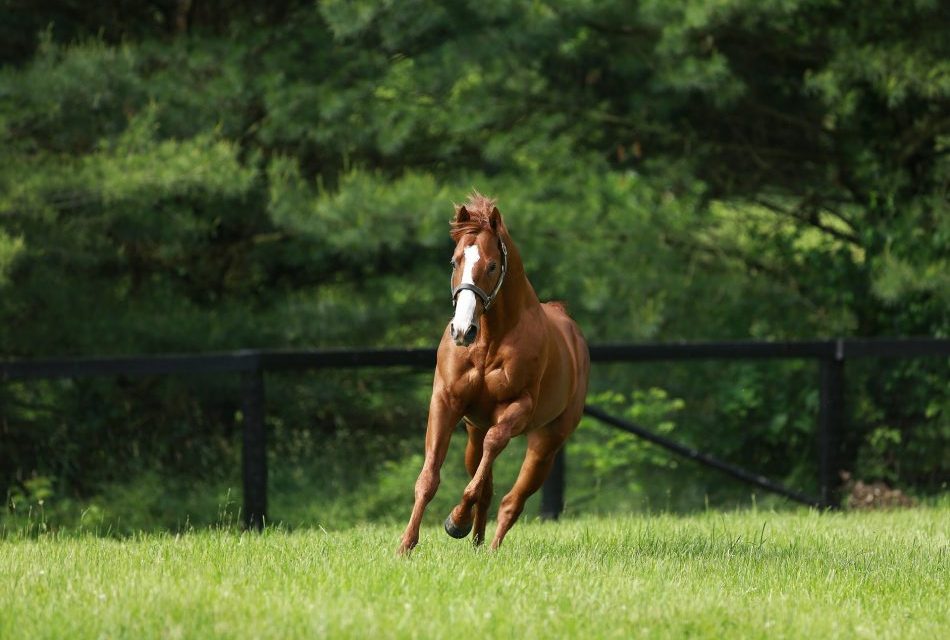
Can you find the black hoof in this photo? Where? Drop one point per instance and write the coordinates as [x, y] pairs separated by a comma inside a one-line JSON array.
[[456, 532]]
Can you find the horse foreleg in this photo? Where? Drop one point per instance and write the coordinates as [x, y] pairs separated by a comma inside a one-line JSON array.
[[511, 420], [459, 522], [534, 471], [442, 420], [481, 510]]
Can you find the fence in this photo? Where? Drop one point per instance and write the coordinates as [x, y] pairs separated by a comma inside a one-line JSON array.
[[252, 364]]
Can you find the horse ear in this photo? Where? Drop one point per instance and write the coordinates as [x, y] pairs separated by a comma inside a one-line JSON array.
[[462, 214], [494, 219]]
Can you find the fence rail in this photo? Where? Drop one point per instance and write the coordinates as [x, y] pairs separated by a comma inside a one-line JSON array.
[[252, 364]]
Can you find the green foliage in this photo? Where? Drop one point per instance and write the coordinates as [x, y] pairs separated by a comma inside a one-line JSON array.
[[200, 179], [615, 466], [9, 248]]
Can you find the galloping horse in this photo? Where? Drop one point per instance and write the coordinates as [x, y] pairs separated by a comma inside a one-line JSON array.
[[508, 365]]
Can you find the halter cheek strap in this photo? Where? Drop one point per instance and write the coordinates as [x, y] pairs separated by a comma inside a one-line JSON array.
[[487, 299]]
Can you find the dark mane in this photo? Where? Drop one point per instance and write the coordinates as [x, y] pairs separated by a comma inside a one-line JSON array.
[[479, 209]]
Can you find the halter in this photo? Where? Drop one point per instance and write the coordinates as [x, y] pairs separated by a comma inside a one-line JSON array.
[[486, 299]]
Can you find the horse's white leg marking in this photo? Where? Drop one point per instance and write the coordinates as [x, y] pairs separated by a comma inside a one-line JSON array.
[[465, 304]]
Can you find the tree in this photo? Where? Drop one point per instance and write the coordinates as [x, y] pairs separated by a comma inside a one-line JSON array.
[[174, 176]]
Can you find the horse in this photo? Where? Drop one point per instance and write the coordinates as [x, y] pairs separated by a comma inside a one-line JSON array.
[[507, 365]]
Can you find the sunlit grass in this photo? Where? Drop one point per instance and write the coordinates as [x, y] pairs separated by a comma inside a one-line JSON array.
[[743, 574]]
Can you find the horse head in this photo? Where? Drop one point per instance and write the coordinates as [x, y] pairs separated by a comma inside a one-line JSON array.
[[479, 265]]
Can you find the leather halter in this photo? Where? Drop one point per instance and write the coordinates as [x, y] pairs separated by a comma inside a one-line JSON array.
[[487, 299]]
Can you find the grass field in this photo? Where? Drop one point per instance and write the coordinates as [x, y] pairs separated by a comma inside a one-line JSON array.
[[725, 575]]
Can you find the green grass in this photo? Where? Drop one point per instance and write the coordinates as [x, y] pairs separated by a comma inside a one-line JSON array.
[[740, 574]]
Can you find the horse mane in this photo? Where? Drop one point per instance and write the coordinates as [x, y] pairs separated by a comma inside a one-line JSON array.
[[479, 209]]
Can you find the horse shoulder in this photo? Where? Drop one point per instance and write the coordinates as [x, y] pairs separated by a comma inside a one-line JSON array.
[[454, 372]]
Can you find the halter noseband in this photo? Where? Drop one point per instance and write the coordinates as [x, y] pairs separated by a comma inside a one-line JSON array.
[[486, 299]]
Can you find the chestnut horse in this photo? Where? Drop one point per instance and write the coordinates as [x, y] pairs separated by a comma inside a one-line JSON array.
[[507, 365]]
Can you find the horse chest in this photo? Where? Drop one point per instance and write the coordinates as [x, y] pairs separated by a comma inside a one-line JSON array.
[[493, 385], [497, 384], [491, 389]]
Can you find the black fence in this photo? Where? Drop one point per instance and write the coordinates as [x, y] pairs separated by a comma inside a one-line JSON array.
[[252, 364]]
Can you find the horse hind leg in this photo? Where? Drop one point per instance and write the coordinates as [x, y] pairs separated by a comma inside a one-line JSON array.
[[538, 460]]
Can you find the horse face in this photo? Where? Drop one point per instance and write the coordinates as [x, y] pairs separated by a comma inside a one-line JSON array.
[[476, 269]]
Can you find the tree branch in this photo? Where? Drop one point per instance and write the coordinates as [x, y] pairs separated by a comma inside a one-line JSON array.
[[777, 275], [807, 213]]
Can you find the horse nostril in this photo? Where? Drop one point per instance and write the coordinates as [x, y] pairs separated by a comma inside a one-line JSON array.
[[471, 334]]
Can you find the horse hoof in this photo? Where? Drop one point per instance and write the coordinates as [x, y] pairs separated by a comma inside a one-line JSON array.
[[455, 531]]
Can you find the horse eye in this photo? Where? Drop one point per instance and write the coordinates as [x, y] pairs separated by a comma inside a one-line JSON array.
[[452, 262], [491, 267]]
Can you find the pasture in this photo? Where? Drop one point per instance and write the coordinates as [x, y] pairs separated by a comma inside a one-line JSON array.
[[753, 573]]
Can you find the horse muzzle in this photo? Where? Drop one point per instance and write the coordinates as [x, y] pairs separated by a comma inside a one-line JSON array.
[[465, 337]]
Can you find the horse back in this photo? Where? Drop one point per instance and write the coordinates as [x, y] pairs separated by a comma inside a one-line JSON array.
[[569, 332]]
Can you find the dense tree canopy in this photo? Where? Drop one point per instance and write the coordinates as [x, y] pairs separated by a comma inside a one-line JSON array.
[[196, 174]]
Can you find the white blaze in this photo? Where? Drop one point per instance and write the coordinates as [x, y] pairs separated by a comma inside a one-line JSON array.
[[465, 304]]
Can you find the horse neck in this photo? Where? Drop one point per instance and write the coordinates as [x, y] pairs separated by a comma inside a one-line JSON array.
[[514, 298]]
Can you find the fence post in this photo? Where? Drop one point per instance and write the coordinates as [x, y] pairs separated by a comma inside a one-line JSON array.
[[254, 450], [830, 422], [552, 493]]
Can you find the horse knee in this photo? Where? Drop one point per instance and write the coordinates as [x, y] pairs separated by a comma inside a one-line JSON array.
[[496, 439]]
